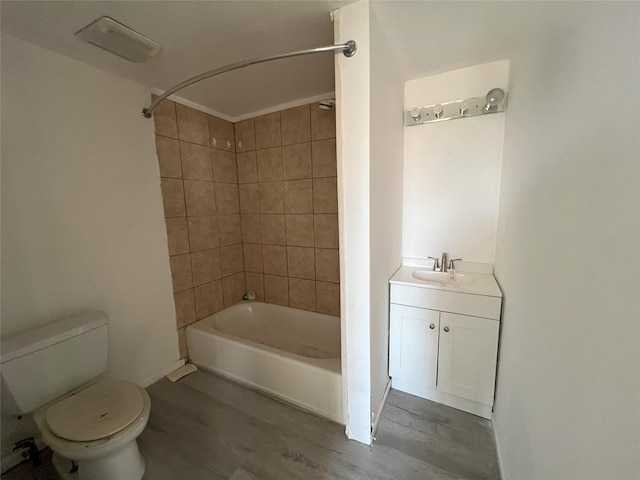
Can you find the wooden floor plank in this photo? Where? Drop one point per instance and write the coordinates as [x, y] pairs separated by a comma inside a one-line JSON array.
[[205, 427]]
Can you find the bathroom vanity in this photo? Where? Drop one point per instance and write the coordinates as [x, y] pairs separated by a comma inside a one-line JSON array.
[[444, 332]]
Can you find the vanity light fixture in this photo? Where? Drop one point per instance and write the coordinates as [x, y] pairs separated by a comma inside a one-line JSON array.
[[494, 101]]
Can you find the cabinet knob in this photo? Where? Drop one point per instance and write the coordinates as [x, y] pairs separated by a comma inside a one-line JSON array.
[[432, 326], [446, 329]]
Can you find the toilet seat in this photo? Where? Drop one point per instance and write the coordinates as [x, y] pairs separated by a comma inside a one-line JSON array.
[[99, 411]]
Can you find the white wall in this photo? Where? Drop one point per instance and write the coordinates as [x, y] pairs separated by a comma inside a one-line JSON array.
[[369, 142], [386, 146], [452, 169], [82, 218], [568, 249], [352, 143]]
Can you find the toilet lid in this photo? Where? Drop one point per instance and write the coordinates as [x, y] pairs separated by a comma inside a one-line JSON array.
[[96, 412]]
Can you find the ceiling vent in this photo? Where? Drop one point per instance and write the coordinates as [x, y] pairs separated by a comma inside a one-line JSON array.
[[119, 39]]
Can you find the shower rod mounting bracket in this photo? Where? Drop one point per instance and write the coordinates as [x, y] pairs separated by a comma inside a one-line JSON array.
[[349, 49]]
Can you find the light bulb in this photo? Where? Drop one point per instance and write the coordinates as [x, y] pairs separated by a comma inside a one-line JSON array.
[[437, 110], [415, 113], [464, 108], [493, 98]]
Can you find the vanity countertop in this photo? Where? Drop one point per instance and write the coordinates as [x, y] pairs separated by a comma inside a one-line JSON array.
[[475, 283]]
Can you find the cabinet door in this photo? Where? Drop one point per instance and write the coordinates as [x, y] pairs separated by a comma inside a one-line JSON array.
[[468, 355], [413, 344]]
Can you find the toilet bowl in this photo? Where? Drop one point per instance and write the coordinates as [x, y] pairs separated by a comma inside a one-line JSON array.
[[55, 373], [97, 428]]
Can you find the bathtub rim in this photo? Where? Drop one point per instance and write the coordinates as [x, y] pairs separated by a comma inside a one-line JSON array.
[[206, 325], [329, 371]]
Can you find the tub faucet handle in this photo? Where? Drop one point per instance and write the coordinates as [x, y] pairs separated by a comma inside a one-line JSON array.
[[436, 263]]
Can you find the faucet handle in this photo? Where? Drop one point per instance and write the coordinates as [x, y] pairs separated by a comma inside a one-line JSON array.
[[436, 263], [453, 260]]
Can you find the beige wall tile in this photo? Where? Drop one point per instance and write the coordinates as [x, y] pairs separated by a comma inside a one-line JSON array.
[[164, 119], [168, 151], [326, 230], [196, 162], [247, 167], [245, 135], [224, 166], [276, 290], [325, 195], [269, 163], [208, 299], [251, 228], [328, 298], [300, 230], [227, 200], [268, 130], [192, 125], [199, 197], [177, 235], [181, 272], [323, 157], [182, 343], [296, 125], [302, 294], [205, 266], [271, 197], [296, 160], [231, 259], [229, 229], [298, 196], [185, 308], [255, 282], [173, 197], [233, 288], [327, 265], [323, 123], [253, 257], [273, 229], [249, 198], [301, 262], [274, 259], [203, 232], [221, 135]]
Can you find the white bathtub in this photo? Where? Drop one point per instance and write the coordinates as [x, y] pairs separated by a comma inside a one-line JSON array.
[[291, 354]]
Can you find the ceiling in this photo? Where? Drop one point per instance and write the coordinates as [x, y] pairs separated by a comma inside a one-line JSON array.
[[426, 37], [196, 37]]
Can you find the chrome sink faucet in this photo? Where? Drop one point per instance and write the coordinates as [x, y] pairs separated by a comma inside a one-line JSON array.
[[443, 263], [439, 265]]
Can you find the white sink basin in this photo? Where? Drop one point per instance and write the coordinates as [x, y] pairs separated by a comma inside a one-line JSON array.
[[442, 278]]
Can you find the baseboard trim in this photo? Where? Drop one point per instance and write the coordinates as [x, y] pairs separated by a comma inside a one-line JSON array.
[[497, 443], [157, 376], [374, 429], [460, 403]]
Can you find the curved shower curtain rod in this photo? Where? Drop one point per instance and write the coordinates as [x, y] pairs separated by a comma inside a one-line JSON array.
[[349, 49]]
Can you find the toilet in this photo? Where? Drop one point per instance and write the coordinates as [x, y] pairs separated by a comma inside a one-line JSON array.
[[55, 373]]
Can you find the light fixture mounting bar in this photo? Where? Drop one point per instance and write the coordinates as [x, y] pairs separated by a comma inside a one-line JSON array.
[[441, 112]]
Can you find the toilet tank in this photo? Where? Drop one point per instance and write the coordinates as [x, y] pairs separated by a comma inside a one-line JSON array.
[[41, 365]]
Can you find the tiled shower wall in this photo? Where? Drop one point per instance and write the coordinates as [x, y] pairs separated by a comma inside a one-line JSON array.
[[289, 207], [270, 215], [202, 212]]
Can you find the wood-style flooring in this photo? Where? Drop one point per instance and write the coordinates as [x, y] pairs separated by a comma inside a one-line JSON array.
[[207, 428]]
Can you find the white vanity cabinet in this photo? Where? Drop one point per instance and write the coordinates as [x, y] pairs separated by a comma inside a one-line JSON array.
[[443, 343]]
